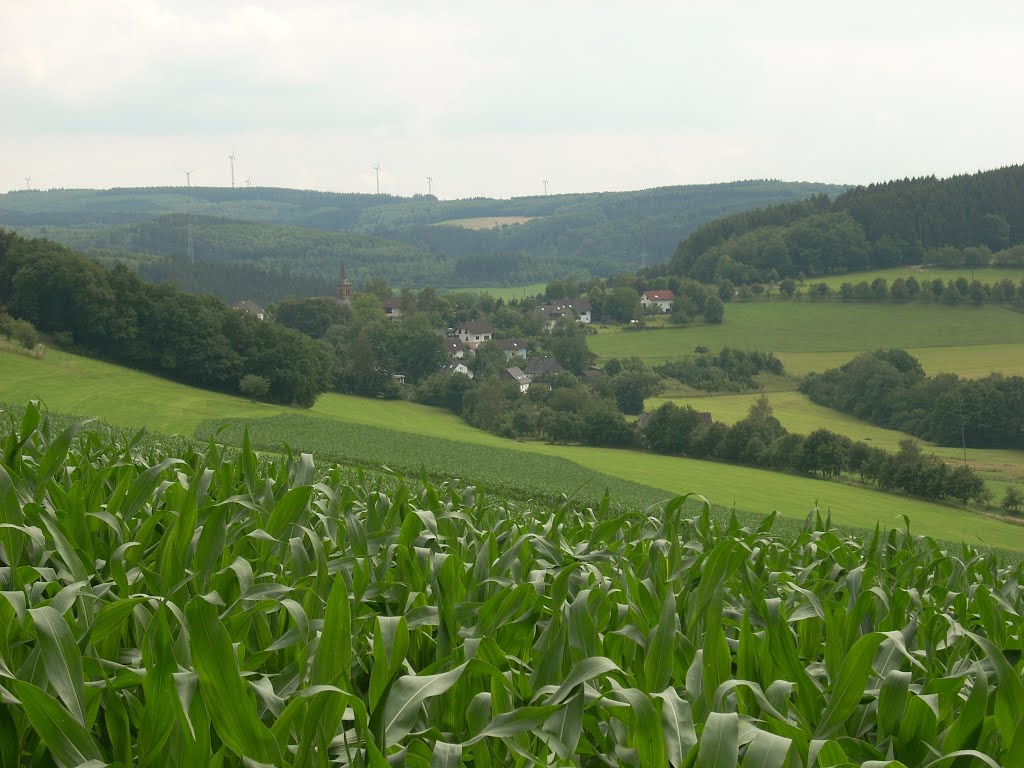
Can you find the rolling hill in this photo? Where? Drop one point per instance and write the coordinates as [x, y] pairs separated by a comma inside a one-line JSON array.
[[973, 219], [580, 234]]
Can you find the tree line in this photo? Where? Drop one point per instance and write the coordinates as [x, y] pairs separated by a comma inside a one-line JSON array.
[[952, 292], [728, 370], [881, 225], [564, 409], [889, 388], [196, 339]]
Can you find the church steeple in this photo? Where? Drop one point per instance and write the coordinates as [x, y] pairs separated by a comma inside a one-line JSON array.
[[344, 286]]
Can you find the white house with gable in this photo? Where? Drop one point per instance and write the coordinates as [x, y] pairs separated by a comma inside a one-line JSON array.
[[661, 300]]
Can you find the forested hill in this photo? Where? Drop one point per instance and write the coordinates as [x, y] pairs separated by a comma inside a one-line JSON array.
[[971, 220], [241, 259], [536, 238]]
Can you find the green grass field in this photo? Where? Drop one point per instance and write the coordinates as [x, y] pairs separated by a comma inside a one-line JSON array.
[[922, 273], [506, 292], [77, 385], [484, 222], [813, 336], [970, 362]]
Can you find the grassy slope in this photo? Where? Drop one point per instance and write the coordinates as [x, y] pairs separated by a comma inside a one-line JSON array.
[[83, 386], [805, 336]]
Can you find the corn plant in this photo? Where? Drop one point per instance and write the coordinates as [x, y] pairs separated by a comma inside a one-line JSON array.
[[228, 609]]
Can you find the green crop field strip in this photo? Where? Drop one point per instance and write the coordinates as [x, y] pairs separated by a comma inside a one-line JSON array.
[[971, 362], [506, 292], [824, 327], [196, 608], [106, 391], [485, 222]]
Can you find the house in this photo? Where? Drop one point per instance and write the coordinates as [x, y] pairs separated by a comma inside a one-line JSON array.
[[570, 309], [539, 367], [393, 307], [592, 372], [581, 307], [660, 300], [398, 378], [454, 347], [515, 373], [251, 307], [474, 333], [512, 348], [457, 367]]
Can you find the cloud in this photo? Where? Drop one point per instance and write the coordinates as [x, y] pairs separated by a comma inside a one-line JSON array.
[[491, 98]]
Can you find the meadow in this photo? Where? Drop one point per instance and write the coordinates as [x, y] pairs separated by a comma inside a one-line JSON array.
[[485, 222], [196, 608], [110, 393], [809, 336], [507, 292]]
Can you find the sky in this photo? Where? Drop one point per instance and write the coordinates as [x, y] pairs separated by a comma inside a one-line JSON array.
[[491, 99]]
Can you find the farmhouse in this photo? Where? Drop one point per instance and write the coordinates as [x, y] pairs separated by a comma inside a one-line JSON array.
[[512, 348], [393, 307], [457, 367], [251, 307], [539, 367], [474, 333], [454, 347], [570, 309], [515, 373], [660, 300]]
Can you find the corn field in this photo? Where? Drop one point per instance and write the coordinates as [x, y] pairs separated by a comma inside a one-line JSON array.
[[227, 609]]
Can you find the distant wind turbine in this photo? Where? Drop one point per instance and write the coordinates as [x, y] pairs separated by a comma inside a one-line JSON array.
[[377, 170], [28, 182], [248, 182], [545, 183], [430, 180], [232, 158], [188, 177]]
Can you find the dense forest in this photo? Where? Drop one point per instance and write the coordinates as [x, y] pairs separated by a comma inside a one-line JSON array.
[[973, 220], [408, 241], [192, 338], [890, 388]]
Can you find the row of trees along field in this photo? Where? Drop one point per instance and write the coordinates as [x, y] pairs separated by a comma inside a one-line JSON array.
[[230, 609], [564, 409], [192, 338], [890, 388], [952, 292], [881, 225]]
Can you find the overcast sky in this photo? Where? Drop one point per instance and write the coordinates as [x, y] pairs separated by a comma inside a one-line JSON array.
[[492, 98]]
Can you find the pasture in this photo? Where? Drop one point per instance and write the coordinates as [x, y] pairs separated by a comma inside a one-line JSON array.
[[79, 385], [507, 292], [810, 336], [485, 222]]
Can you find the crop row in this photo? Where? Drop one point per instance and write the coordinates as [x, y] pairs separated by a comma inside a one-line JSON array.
[[228, 609]]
